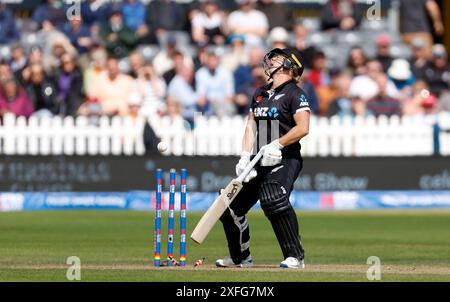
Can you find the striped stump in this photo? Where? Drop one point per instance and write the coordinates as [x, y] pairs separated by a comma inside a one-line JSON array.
[[183, 218], [157, 255], [171, 217]]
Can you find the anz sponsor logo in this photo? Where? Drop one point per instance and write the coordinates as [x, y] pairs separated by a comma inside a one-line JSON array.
[[272, 113], [303, 101]]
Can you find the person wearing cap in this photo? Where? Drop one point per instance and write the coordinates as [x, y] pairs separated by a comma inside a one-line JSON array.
[[421, 101], [238, 54], [278, 118], [383, 55], [401, 75], [278, 38], [437, 72], [419, 58]]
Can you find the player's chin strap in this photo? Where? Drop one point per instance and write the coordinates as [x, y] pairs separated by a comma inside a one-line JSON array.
[[275, 71]]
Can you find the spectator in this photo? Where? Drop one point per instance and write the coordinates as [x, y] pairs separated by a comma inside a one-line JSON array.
[[327, 93], [319, 75], [8, 30], [164, 60], [134, 17], [165, 15], [18, 59], [344, 105], [95, 69], [430, 105], [216, 84], [180, 89], [301, 43], [243, 78], [341, 14], [78, 34], [278, 14], [414, 21], [365, 86], [444, 102], [56, 45], [151, 140], [174, 109], [357, 61], [200, 57], [119, 39], [50, 15], [152, 89], [35, 56], [112, 89], [383, 42], [244, 95], [136, 62], [420, 101], [69, 83], [13, 99], [5, 71], [437, 72], [238, 54], [249, 22], [178, 60], [382, 104], [278, 38], [42, 91], [95, 12], [246, 78], [401, 75], [420, 57], [208, 25]]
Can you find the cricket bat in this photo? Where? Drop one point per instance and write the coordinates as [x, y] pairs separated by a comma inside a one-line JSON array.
[[219, 206]]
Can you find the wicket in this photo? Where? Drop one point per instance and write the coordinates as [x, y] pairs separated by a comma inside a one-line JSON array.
[[171, 218]]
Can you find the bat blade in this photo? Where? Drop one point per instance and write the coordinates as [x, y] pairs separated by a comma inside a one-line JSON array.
[[212, 215]]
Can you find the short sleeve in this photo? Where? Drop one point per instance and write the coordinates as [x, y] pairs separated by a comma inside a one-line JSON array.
[[252, 104], [300, 103]]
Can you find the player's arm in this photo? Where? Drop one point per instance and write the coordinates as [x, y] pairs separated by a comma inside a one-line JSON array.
[[249, 134], [300, 130]]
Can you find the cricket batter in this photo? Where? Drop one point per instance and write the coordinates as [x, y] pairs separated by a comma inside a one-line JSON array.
[[278, 119]]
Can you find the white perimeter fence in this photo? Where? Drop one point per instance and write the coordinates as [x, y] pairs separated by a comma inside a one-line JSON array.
[[383, 136]]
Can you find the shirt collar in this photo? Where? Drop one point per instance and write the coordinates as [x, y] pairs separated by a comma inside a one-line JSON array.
[[279, 88]]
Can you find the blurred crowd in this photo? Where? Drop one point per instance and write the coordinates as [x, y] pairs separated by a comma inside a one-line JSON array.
[[95, 64]]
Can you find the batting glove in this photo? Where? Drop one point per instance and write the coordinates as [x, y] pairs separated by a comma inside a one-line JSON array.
[[242, 164], [272, 154]]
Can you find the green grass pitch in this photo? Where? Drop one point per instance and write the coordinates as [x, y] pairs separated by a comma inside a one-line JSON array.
[[118, 246]]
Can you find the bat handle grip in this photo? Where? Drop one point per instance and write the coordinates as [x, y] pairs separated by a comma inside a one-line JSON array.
[[250, 165]]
